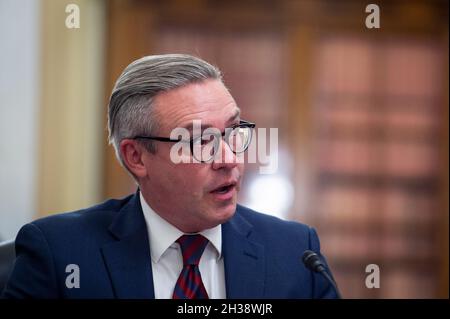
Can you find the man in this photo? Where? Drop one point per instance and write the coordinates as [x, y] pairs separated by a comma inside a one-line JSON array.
[[182, 234]]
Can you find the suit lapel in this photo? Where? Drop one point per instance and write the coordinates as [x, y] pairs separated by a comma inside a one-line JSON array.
[[129, 263], [128, 258], [244, 260]]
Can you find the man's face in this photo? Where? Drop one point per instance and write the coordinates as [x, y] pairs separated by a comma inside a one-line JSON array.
[[188, 195]]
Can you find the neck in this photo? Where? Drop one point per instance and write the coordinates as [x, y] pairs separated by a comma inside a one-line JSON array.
[[159, 207]]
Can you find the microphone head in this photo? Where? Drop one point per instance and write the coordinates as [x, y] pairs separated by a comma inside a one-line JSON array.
[[312, 261]]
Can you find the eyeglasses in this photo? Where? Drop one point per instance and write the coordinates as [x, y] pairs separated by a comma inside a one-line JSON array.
[[205, 147]]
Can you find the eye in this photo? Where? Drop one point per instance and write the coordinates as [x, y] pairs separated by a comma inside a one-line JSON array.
[[203, 140], [207, 138]]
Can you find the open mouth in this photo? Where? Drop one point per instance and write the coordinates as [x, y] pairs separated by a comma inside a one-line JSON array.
[[224, 189]]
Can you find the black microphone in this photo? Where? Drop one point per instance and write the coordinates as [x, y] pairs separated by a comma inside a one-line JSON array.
[[312, 262]]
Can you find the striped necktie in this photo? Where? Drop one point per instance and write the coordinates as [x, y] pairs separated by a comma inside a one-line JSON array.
[[189, 284]]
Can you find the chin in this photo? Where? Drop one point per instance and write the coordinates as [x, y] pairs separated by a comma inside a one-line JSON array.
[[224, 213]]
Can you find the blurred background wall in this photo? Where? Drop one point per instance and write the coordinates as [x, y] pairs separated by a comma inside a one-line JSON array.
[[19, 109], [362, 118]]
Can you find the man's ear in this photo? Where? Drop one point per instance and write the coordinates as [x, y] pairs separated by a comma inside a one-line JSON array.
[[132, 153]]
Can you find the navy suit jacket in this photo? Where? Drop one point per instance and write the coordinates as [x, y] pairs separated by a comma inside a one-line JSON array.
[[109, 243]]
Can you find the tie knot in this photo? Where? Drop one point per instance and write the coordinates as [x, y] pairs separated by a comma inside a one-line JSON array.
[[192, 247]]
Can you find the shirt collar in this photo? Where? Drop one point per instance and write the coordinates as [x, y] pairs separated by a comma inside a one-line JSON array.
[[162, 234]]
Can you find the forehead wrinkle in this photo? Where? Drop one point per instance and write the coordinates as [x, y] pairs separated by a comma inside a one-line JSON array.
[[197, 115], [181, 119], [184, 107]]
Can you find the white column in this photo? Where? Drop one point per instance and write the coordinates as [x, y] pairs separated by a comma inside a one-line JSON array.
[[19, 107]]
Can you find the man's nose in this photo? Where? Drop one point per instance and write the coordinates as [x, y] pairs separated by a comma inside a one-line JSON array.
[[225, 158]]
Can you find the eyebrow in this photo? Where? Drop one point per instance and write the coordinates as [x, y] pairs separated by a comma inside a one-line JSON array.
[[233, 117], [230, 120]]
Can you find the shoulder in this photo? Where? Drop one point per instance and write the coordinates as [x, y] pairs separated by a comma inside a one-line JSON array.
[[268, 226], [91, 219], [262, 220]]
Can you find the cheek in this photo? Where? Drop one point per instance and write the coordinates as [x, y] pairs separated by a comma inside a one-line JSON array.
[[191, 178], [241, 169]]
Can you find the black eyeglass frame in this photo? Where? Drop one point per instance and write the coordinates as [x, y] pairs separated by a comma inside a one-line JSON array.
[[192, 140]]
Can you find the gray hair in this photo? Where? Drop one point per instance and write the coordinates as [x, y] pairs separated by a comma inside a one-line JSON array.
[[131, 110]]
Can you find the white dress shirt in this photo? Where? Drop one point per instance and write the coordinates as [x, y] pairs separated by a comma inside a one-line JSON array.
[[167, 260]]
